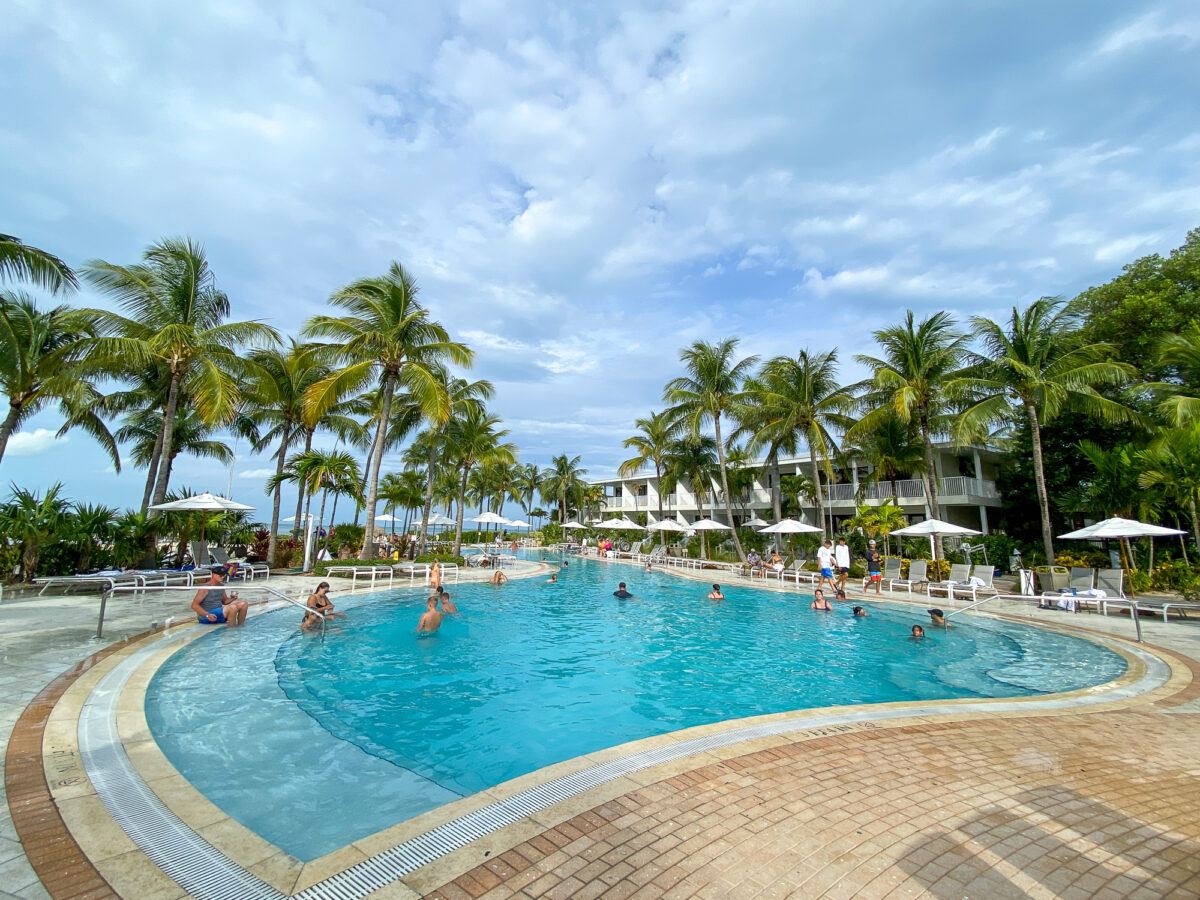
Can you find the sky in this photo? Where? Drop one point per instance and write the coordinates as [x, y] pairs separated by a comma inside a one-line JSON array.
[[583, 189]]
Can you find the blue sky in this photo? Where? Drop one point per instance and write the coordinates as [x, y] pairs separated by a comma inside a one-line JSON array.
[[581, 192]]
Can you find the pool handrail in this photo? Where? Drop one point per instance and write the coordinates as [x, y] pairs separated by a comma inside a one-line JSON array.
[[278, 594]]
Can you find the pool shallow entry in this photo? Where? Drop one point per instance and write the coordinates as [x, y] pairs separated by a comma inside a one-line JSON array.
[[313, 746]]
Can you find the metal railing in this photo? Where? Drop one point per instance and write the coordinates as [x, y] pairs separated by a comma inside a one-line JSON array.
[[131, 588]]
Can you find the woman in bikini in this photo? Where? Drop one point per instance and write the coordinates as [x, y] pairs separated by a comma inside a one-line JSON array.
[[319, 602], [819, 601]]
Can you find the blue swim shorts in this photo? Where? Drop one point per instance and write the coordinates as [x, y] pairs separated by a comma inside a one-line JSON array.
[[827, 573], [219, 613]]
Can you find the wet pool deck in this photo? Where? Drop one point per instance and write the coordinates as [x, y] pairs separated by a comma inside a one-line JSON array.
[[1079, 804]]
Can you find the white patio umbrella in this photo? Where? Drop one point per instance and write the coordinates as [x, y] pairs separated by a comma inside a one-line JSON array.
[[789, 526], [573, 524], [621, 524], [517, 523], [756, 522], [439, 519], [206, 501], [665, 525], [931, 527], [387, 518], [708, 525]]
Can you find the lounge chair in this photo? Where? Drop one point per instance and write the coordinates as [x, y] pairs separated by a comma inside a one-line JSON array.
[[917, 574], [980, 582], [959, 574], [252, 570], [1082, 579]]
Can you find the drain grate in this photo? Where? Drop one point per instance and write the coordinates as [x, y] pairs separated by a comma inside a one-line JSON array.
[[207, 873]]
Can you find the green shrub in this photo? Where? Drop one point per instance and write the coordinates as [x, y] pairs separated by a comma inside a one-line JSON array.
[[442, 558], [1175, 575]]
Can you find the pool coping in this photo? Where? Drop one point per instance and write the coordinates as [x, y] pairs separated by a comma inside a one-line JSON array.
[[128, 869]]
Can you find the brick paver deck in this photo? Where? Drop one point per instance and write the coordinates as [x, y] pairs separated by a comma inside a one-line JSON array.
[[1101, 805]]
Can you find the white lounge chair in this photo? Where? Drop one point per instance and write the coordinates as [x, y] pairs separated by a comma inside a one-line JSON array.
[[980, 582], [959, 573], [917, 574], [253, 570]]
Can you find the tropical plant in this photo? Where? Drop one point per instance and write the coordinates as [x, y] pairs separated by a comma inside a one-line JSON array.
[[33, 519], [191, 435], [892, 451], [529, 488], [388, 339], [176, 321], [322, 472], [1034, 368], [798, 399], [910, 380], [90, 527], [561, 480], [1181, 353], [653, 441], [1172, 464], [473, 439], [21, 262], [43, 361], [880, 520], [712, 388]]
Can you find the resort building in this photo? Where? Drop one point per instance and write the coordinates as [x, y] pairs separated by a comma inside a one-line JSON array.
[[966, 491]]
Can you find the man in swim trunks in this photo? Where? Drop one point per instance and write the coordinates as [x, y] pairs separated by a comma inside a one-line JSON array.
[[620, 593], [431, 619], [448, 606], [874, 567], [214, 606], [825, 564], [715, 593]]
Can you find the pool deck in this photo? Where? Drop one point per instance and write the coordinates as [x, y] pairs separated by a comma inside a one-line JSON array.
[[1061, 799]]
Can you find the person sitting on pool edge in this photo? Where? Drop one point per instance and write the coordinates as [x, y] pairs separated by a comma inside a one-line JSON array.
[[448, 606], [859, 612], [620, 593], [917, 632], [498, 578], [819, 601], [938, 618], [319, 601], [715, 593], [213, 606], [431, 619]]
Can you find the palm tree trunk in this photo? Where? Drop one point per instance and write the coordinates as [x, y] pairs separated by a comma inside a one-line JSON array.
[[1183, 538], [1039, 477], [818, 495], [462, 500], [737, 544], [931, 488], [152, 472], [272, 540], [307, 513], [430, 470], [662, 535], [8, 426], [1195, 522], [298, 528], [168, 437], [703, 534], [366, 475], [385, 412], [776, 491], [332, 519]]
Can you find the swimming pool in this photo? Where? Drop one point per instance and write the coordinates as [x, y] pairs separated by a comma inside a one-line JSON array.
[[313, 745]]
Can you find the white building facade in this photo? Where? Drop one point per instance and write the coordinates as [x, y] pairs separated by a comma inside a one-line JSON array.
[[966, 491]]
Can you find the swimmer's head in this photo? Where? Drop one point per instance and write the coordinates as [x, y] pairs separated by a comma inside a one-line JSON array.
[[621, 586], [859, 611], [818, 593], [431, 603], [717, 588], [918, 631]]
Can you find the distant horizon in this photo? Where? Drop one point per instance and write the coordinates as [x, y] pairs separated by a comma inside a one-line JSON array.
[[582, 194]]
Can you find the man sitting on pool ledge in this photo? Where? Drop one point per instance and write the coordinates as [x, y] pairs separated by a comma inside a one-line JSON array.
[[213, 606], [431, 619], [620, 593]]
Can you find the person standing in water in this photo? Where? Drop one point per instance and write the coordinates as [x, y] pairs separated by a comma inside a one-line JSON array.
[[715, 593], [431, 620], [620, 593], [819, 601], [448, 606]]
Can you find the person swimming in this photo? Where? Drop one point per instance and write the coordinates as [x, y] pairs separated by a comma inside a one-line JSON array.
[[649, 567], [917, 632], [938, 618], [715, 593], [859, 612], [431, 619], [448, 606], [498, 578], [553, 580], [820, 602], [620, 593]]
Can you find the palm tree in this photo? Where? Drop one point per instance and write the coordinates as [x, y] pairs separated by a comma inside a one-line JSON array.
[[892, 451], [21, 262], [387, 339], [473, 439], [879, 520], [320, 470], [651, 444], [560, 481], [31, 520], [42, 361], [538, 513], [528, 487], [91, 525], [798, 398], [1035, 369], [693, 461], [910, 380], [1181, 352], [1113, 489], [1172, 463], [190, 435], [176, 321], [712, 387]]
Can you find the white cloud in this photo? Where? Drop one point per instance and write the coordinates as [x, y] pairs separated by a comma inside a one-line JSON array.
[[1152, 27], [1123, 248], [256, 474], [31, 443]]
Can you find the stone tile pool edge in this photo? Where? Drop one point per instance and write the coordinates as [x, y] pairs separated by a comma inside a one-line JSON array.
[[94, 830]]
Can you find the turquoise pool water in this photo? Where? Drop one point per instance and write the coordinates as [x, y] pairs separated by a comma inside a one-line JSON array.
[[314, 745]]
